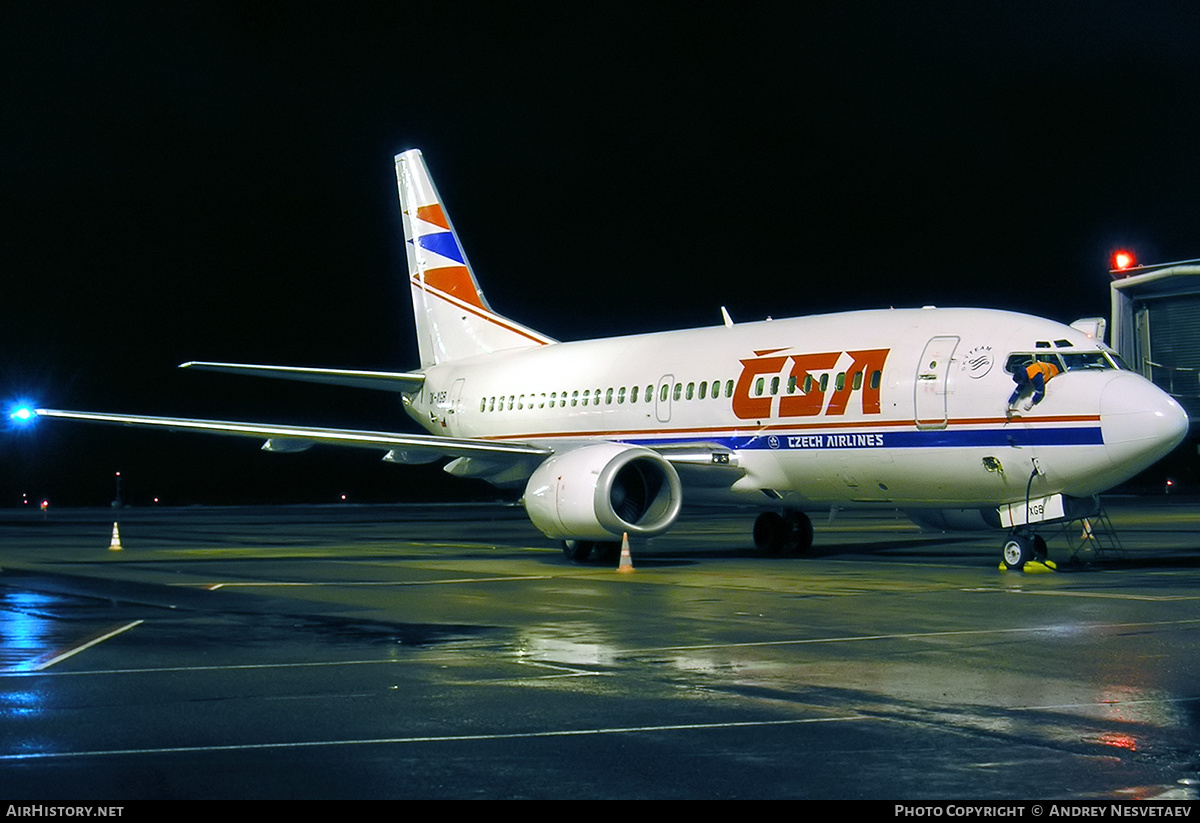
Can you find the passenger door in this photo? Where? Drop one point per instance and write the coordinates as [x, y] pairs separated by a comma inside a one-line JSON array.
[[930, 386]]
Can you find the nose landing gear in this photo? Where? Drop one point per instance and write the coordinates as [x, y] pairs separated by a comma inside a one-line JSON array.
[[1021, 547]]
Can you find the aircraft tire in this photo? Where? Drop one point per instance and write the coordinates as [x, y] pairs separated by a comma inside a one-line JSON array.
[[770, 532], [607, 552], [800, 535], [1017, 550], [1040, 551], [577, 551]]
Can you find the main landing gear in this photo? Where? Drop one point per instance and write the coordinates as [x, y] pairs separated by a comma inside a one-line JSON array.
[[789, 530], [1021, 547], [578, 551]]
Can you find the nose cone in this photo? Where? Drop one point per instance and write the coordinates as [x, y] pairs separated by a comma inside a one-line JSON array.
[[1140, 422]]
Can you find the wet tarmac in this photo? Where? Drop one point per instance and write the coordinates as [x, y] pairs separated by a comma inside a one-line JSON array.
[[451, 652]]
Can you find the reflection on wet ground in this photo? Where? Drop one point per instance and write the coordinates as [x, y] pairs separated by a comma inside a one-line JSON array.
[[387, 652]]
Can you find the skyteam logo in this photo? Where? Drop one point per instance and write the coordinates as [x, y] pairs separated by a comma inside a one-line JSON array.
[[978, 362]]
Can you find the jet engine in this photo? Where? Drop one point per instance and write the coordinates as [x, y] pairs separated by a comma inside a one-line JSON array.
[[597, 492], [954, 520]]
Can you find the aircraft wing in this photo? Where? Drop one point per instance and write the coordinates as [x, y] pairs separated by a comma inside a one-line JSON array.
[[402, 448], [357, 378]]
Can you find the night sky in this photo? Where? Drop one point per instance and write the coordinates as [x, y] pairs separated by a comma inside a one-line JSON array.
[[215, 181]]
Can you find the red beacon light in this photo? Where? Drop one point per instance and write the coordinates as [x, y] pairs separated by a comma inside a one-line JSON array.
[[1123, 259]]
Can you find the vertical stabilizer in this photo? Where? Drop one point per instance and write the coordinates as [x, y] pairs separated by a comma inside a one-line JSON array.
[[453, 318]]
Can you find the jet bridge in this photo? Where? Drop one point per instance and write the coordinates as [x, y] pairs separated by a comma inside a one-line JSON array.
[[1156, 328]]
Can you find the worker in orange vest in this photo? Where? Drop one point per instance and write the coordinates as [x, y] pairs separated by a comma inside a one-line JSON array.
[[1032, 377]]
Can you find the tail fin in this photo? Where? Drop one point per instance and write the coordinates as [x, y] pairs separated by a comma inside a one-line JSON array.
[[453, 318]]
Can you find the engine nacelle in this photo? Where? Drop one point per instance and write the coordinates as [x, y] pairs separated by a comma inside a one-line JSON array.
[[955, 520], [597, 492]]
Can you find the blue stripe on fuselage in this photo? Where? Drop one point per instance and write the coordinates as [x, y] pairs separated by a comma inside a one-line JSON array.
[[933, 439]]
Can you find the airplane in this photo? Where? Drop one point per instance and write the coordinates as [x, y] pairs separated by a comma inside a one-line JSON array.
[[897, 408]]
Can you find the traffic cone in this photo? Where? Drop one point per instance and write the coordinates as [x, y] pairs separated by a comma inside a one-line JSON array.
[[114, 545], [626, 564]]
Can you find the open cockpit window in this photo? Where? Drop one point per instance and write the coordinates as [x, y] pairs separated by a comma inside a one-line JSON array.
[[1093, 360]]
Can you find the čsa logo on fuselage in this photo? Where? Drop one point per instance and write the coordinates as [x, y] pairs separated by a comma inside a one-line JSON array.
[[801, 389]]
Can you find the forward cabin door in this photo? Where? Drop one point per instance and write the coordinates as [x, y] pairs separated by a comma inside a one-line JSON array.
[[930, 387]]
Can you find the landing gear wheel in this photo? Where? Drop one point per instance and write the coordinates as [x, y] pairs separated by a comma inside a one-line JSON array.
[[770, 532], [1039, 548], [1017, 551], [606, 552], [775, 532], [577, 551], [800, 534]]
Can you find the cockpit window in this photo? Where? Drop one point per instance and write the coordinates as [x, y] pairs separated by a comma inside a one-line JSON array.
[[1088, 360], [1066, 361]]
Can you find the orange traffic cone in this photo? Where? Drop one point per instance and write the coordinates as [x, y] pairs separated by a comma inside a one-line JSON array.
[[114, 545], [626, 564]]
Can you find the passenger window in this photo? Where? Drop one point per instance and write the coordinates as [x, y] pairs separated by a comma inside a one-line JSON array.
[[728, 389], [608, 397], [856, 384], [678, 391], [759, 385], [621, 395], [574, 398], [633, 394], [662, 395], [875, 376], [774, 385], [703, 390], [691, 390]]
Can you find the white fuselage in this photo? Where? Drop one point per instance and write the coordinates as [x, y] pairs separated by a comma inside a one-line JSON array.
[[902, 408]]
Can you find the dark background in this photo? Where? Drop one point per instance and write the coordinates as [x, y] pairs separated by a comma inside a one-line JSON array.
[[215, 181]]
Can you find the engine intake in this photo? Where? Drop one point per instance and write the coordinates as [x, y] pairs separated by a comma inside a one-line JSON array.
[[597, 492]]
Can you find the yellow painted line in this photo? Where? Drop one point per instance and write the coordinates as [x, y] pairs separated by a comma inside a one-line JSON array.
[[1108, 595], [915, 636]]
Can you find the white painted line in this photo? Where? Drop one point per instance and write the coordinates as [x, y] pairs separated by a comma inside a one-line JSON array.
[[453, 738], [1057, 629], [269, 583], [58, 658]]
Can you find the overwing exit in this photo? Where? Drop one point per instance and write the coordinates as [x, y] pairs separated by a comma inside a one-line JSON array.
[[897, 408]]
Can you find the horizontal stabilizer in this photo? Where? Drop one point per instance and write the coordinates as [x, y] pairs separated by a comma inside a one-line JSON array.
[[356, 378]]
